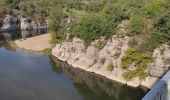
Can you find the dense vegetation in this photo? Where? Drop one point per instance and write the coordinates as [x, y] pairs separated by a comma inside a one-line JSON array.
[[148, 23], [138, 60]]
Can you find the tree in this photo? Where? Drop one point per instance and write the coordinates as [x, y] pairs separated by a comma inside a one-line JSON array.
[[55, 17], [88, 28]]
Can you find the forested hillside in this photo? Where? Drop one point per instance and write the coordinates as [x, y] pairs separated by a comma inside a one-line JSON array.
[[147, 22]]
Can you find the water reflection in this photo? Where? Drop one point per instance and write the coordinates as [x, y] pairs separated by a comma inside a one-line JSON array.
[[95, 87], [18, 34], [29, 77]]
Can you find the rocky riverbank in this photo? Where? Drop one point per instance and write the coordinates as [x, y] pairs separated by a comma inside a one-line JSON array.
[[96, 59]]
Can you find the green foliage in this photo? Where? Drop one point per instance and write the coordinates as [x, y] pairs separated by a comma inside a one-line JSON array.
[[12, 3], [88, 29], [136, 25], [110, 67], [55, 17], [163, 26], [151, 42], [138, 58], [141, 74], [153, 7], [94, 7], [47, 51], [74, 4]]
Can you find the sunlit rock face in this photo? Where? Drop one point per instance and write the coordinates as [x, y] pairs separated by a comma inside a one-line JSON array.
[[96, 60], [161, 61]]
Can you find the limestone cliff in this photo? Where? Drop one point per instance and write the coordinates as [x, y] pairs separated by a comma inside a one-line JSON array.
[[95, 59], [10, 23]]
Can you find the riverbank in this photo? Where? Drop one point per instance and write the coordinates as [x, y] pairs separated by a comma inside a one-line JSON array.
[[115, 75], [36, 43], [73, 53], [97, 61]]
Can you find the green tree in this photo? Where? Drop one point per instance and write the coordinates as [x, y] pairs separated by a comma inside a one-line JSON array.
[[88, 28]]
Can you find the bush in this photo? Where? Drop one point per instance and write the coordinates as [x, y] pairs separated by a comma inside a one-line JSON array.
[[136, 25], [152, 42], [163, 25], [110, 67], [153, 7], [57, 37], [141, 74], [47, 51], [138, 58], [88, 29]]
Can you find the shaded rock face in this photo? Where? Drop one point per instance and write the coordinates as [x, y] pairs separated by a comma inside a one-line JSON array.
[[10, 23], [27, 24], [161, 61]]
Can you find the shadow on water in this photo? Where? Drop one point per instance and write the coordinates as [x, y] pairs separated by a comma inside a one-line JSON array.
[[96, 87], [21, 34]]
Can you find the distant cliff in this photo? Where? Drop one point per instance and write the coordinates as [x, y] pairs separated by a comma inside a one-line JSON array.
[[10, 23]]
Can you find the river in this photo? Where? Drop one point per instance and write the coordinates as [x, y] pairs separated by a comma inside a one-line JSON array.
[[30, 76]]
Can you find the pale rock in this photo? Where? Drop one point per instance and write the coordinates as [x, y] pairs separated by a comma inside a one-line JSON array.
[[159, 61], [156, 72], [149, 82], [134, 82], [91, 52]]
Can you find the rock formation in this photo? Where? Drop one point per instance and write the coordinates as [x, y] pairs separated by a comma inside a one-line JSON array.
[[10, 23], [96, 60]]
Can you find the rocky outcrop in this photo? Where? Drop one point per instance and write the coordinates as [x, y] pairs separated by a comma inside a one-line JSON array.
[[10, 23], [161, 61], [90, 59], [27, 24], [97, 60]]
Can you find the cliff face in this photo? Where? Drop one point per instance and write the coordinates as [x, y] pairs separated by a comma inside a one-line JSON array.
[[10, 23], [96, 59]]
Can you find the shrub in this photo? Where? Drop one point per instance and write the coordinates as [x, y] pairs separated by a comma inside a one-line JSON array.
[[153, 7], [141, 74], [110, 67], [47, 51], [57, 37], [152, 42], [88, 29], [139, 58], [135, 25]]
